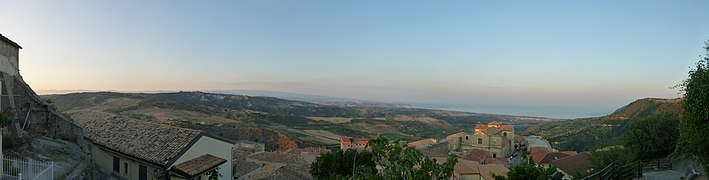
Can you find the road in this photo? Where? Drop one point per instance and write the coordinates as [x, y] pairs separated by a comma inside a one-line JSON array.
[[517, 159]]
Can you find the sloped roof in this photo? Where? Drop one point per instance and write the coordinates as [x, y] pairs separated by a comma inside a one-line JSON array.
[[475, 155], [570, 153], [575, 163], [552, 156], [492, 130], [155, 143], [466, 167], [538, 153], [8, 41], [507, 128], [199, 165], [424, 142], [455, 135], [487, 170], [497, 160]]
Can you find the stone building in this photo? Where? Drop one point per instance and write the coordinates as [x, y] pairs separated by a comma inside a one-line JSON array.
[[495, 138]]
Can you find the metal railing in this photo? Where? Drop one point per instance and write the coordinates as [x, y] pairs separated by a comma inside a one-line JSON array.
[[21, 169]]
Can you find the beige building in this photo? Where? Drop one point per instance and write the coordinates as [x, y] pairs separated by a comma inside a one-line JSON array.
[[495, 138], [131, 149]]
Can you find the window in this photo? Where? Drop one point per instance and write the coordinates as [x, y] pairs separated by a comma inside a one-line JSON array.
[[466, 137], [116, 164], [142, 172], [504, 134], [125, 168], [480, 140], [494, 155]]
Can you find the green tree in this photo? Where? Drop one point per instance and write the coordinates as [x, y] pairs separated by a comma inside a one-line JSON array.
[[398, 161], [338, 164], [652, 137], [694, 128], [525, 170]]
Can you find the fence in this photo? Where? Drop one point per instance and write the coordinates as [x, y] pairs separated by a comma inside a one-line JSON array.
[[21, 169], [615, 171], [659, 164]]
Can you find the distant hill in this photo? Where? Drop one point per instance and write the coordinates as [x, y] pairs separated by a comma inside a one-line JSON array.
[[306, 123], [593, 133], [317, 99], [642, 108]]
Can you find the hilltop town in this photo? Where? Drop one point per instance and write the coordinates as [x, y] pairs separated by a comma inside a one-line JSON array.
[[196, 135]]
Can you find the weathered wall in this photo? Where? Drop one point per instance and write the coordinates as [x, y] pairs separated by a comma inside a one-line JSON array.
[[9, 61]]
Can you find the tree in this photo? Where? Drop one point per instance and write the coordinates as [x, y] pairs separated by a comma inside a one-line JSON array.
[[398, 161], [339, 164], [652, 137], [525, 170], [214, 174], [694, 128]]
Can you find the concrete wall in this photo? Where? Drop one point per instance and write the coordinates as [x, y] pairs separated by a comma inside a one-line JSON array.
[[218, 148], [9, 61]]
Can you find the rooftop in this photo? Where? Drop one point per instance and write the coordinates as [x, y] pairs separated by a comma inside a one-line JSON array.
[[199, 165], [155, 143], [538, 153], [552, 156], [497, 160], [475, 155], [424, 142], [574, 163], [467, 167], [487, 170], [7, 40]]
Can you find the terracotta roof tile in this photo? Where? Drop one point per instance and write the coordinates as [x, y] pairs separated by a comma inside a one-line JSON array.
[[507, 128], [466, 167], [497, 160], [575, 163], [452, 136], [487, 170], [155, 143], [475, 155], [199, 165], [538, 153], [492, 130]]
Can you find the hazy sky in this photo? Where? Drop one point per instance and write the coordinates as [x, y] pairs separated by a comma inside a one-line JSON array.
[[587, 58]]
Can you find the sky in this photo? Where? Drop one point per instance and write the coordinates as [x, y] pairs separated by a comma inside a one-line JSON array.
[[561, 59]]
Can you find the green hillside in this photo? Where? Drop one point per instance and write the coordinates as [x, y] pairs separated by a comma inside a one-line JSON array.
[[593, 133], [643, 108]]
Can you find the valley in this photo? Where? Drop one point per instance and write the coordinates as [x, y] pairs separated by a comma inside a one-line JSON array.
[[280, 124]]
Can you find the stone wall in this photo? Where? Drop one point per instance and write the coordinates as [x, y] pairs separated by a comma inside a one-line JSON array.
[[33, 117], [9, 61]]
